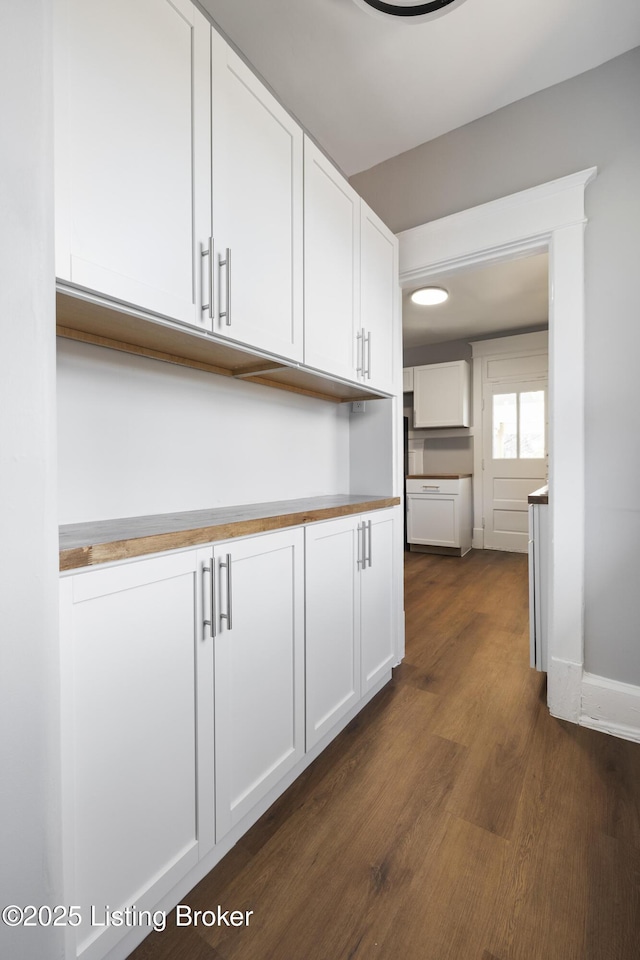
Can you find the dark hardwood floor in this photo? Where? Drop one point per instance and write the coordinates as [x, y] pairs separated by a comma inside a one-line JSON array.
[[454, 819]]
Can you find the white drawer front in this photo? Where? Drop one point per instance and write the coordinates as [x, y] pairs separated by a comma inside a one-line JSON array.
[[429, 485]]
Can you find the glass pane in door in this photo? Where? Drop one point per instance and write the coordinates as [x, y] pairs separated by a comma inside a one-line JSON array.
[[505, 426], [532, 423]]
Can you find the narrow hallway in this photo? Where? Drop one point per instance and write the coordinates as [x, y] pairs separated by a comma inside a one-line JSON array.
[[453, 818]]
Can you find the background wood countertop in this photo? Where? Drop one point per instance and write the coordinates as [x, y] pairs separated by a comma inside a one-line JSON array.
[[540, 496], [437, 476], [103, 541]]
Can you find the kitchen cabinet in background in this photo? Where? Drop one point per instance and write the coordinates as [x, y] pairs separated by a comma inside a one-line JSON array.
[[407, 380], [439, 513], [132, 153], [538, 578], [441, 395]]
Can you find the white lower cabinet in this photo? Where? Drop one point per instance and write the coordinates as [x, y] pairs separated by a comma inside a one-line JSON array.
[[333, 554], [137, 738], [377, 602], [350, 609], [439, 512], [257, 610], [183, 697]]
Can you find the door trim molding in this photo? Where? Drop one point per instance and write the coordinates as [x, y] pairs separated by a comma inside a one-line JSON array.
[[547, 217]]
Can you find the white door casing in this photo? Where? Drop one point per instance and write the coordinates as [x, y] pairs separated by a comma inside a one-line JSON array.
[[547, 217]]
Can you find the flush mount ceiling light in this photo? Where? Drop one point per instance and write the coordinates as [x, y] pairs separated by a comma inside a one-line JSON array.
[[409, 11], [429, 296]]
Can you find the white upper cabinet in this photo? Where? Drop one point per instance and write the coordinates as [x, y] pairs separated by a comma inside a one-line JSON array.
[[332, 250], [132, 137], [441, 395], [407, 380], [351, 280], [379, 294], [257, 211]]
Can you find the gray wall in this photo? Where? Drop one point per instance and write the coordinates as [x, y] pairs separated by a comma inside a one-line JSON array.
[[591, 120], [29, 671]]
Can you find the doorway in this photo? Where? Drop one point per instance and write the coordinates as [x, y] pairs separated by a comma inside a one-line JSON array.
[[551, 217]]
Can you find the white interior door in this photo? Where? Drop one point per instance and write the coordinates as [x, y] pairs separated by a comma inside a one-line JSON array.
[[515, 433]]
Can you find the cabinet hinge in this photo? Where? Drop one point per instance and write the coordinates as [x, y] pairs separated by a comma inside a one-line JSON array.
[[483, 463], [483, 523]]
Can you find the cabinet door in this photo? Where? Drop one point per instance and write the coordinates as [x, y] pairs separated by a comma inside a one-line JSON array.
[[441, 395], [331, 267], [379, 294], [332, 623], [259, 669], [377, 599], [257, 210], [133, 164], [136, 796], [433, 520]]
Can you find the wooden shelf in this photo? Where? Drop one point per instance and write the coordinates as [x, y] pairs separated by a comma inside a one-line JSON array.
[[103, 541], [130, 331]]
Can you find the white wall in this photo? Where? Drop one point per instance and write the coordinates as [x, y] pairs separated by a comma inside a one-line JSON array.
[[591, 120], [137, 436], [29, 706]]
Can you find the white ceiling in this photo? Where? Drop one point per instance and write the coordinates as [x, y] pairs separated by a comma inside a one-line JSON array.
[[367, 88], [490, 299]]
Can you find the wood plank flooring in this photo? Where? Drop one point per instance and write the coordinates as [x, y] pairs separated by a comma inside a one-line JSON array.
[[454, 819]]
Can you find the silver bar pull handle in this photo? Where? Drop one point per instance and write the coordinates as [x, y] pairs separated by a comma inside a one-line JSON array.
[[360, 351], [368, 370], [360, 561], [211, 622], [228, 616], [370, 539], [209, 253], [227, 264]]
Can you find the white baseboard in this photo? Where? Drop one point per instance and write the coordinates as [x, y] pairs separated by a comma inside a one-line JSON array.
[[610, 706], [564, 688]]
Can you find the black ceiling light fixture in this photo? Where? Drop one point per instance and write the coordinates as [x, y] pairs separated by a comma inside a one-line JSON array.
[[409, 11]]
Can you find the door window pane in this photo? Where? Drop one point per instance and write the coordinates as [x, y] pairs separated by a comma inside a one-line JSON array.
[[532, 423], [505, 426]]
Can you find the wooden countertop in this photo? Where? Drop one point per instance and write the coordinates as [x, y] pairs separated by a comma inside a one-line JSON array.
[[540, 496], [438, 476], [103, 541]]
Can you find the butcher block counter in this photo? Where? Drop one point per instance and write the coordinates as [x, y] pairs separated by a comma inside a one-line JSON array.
[[540, 496], [103, 541]]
